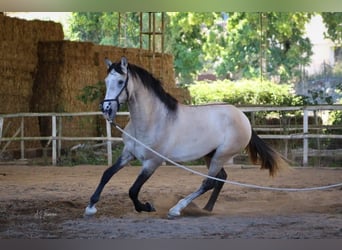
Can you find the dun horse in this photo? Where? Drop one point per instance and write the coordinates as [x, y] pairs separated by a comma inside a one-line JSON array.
[[181, 132]]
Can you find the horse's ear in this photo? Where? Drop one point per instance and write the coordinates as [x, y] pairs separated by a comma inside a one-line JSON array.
[[108, 62], [124, 64]]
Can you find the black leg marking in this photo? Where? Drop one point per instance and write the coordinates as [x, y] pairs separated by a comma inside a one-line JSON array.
[[134, 192], [107, 175], [217, 189]]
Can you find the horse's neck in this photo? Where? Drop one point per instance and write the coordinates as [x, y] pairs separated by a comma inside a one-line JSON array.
[[144, 108]]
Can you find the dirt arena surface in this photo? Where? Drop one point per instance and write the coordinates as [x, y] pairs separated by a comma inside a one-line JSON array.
[[49, 202]]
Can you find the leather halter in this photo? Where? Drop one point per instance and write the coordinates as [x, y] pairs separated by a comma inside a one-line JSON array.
[[117, 97]]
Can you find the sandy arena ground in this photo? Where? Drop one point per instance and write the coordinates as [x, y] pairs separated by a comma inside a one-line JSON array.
[[49, 202]]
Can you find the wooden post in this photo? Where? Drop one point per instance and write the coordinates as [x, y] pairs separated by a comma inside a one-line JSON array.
[[305, 139], [109, 143], [54, 143]]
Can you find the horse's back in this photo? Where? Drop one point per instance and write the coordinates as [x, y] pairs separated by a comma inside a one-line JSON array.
[[228, 121], [220, 115]]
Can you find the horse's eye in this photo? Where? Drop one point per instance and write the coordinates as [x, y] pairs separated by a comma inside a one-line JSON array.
[[121, 82]]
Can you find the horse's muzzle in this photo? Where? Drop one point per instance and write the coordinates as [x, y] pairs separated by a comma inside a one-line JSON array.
[[108, 110]]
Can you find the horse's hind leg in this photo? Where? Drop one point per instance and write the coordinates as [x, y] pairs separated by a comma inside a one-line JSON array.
[[217, 186], [218, 158], [217, 189], [175, 211], [107, 175]]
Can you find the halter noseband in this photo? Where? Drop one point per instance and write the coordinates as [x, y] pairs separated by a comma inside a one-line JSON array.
[[117, 97]]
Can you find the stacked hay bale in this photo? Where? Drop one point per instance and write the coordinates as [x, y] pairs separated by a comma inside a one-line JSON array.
[[64, 69], [39, 72], [18, 65]]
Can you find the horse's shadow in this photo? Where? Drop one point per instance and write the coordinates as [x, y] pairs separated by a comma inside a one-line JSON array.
[[192, 210]]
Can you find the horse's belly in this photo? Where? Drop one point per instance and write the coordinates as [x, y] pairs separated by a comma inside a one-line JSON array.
[[192, 149]]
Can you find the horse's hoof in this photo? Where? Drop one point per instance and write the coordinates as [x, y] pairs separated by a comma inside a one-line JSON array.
[[150, 207], [172, 215], [90, 210]]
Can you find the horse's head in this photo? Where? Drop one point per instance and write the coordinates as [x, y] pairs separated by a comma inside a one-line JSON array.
[[116, 88]]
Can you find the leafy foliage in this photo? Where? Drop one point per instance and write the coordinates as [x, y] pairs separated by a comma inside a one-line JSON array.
[[186, 41], [242, 44], [244, 92], [104, 28], [333, 22], [92, 93], [271, 40]]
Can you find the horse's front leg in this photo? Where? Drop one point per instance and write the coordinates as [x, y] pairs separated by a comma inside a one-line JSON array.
[[107, 175], [147, 170]]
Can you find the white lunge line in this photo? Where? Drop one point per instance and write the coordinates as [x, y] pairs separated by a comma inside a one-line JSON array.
[[226, 181]]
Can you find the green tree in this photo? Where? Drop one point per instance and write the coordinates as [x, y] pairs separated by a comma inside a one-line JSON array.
[[86, 26], [272, 40], [333, 22], [185, 41], [105, 28], [245, 44]]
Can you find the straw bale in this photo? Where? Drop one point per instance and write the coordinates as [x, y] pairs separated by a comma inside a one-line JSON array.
[[18, 85], [18, 58], [11, 28], [101, 52], [66, 52], [46, 30], [18, 65], [15, 29], [64, 69], [18, 62], [14, 103], [20, 54]]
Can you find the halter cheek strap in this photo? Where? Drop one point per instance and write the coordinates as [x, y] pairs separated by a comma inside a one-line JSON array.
[[116, 99]]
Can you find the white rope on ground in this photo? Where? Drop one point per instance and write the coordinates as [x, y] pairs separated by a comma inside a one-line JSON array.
[[227, 181]]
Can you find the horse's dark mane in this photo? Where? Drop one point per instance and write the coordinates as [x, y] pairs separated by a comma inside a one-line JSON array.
[[149, 82]]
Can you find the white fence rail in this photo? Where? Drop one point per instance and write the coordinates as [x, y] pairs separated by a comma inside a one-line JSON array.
[[56, 140]]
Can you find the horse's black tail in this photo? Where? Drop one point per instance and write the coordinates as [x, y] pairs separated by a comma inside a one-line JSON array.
[[260, 153]]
